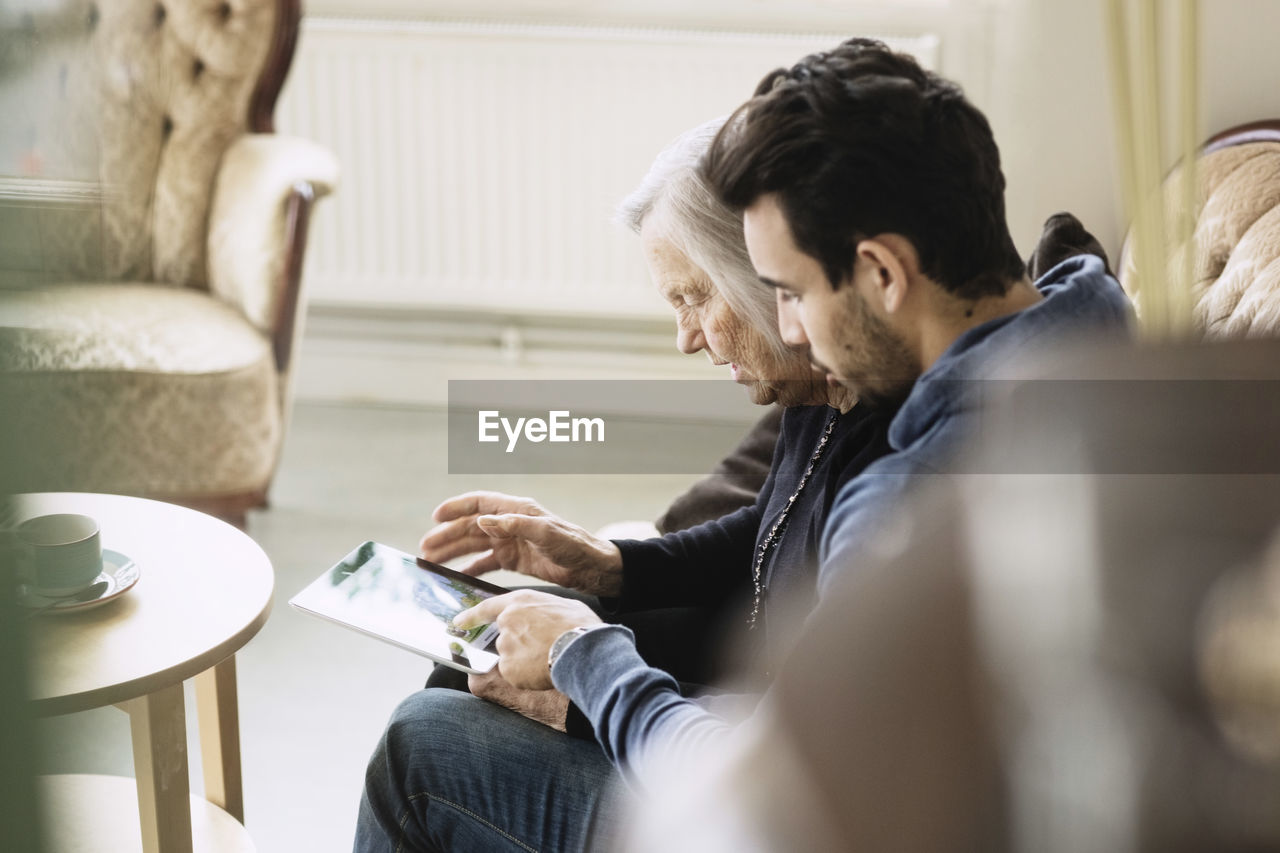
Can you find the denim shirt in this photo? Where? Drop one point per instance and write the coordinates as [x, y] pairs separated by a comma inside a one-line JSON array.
[[1079, 299]]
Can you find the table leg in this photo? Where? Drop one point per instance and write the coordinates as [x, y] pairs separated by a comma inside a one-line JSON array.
[[216, 703], [159, 726]]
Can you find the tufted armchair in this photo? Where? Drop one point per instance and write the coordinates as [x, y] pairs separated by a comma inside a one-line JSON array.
[[1236, 279], [145, 347]]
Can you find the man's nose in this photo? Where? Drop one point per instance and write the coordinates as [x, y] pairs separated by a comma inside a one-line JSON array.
[[790, 327]]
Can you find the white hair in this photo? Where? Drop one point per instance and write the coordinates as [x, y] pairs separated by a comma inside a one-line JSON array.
[[704, 229]]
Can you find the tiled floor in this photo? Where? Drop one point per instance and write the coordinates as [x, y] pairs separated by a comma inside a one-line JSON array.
[[313, 697]]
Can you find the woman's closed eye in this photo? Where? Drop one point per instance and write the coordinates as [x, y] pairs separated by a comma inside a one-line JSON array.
[[686, 300]]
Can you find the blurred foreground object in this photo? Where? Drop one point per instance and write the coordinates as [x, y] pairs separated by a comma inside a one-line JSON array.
[[19, 826], [150, 277], [1031, 657], [1240, 656], [1119, 489]]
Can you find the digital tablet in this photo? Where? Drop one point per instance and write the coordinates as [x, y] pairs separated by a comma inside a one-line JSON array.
[[406, 601]]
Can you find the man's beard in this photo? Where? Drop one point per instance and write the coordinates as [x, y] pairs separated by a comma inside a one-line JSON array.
[[892, 367]]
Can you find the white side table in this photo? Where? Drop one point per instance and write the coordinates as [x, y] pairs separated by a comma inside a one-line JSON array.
[[205, 590]]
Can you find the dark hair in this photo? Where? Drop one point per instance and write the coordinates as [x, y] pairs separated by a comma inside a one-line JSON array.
[[861, 140]]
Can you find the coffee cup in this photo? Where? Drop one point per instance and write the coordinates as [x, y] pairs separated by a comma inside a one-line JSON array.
[[59, 554]]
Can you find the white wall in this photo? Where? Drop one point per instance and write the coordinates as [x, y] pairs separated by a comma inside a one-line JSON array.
[[1038, 68], [1051, 110]]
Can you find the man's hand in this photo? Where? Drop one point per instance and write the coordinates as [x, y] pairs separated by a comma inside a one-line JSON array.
[[549, 707], [528, 623], [524, 538]]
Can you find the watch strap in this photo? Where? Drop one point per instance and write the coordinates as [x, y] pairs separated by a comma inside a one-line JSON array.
[[565, 640]]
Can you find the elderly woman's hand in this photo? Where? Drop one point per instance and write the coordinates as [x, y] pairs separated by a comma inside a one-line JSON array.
[[524, 538]]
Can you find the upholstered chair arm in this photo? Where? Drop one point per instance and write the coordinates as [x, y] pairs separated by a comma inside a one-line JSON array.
[[261, 199]]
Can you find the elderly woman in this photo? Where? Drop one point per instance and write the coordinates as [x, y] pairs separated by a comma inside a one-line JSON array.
[[698, 261], [740, 564]]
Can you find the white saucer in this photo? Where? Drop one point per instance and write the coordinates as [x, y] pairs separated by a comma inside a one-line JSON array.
[[119, 572]]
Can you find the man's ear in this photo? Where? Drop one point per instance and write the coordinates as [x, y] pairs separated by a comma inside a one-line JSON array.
[[887, 256]]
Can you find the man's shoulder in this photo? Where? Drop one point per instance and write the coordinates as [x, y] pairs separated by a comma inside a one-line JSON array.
[[887, 474], [862, 499]]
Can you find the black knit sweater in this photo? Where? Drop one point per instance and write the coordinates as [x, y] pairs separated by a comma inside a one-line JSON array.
[[711, 564]]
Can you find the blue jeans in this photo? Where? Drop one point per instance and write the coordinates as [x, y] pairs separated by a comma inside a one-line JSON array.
[[454, 772]]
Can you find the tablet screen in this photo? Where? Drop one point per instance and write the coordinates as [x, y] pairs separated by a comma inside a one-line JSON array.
[[404, 600]]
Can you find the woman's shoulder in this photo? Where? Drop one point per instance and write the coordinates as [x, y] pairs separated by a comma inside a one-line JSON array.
[[801, 417]]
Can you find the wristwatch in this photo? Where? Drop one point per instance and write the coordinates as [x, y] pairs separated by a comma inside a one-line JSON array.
[[562, 642]]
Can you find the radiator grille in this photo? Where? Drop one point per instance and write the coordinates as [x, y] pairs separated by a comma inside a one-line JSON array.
[[481, 162]]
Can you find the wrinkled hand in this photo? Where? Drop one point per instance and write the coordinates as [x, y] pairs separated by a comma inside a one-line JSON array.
[[549, 707], [528, 623], [523, 537]]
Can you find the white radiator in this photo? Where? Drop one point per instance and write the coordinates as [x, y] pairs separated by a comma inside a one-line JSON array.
[[481, 162]]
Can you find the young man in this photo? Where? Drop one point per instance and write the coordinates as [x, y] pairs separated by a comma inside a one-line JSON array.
[[874, 206]]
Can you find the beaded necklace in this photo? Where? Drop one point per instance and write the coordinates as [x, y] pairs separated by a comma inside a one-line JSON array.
[[775, 532]]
